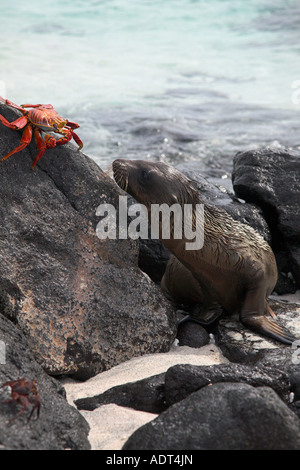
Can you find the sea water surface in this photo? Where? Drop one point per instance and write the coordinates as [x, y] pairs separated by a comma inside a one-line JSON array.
[[172, 80]]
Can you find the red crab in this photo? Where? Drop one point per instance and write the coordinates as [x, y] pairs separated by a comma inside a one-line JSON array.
[[42, 118], [24, 392]]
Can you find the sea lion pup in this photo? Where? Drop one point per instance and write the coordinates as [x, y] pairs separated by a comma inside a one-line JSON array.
[[235, 268]]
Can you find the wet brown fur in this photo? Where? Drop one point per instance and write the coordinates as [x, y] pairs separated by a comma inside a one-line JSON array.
[[235, 267]]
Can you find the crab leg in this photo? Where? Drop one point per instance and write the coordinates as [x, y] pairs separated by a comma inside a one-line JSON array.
[[26, 138], [15, 125], [12, 105], [77, 140], [36, 406], [42, 144], [23, 401], [47, 106], [73, 125]]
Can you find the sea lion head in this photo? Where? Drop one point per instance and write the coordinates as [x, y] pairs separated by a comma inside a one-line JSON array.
[[153, 182]]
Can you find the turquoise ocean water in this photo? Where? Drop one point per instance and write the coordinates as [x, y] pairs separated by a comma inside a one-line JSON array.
[[175, 80]]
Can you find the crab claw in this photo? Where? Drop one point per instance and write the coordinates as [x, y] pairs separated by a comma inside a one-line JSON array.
[[50, 141]]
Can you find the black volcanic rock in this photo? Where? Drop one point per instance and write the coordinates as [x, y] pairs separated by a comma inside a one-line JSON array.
[[82, 302], [60, 426], [183, 379], [144, 395], [222, 416]]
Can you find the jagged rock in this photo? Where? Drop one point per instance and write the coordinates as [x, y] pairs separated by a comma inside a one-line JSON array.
[[144, 395], [60, 426], [83, 303], [225, 416], [184, 379]]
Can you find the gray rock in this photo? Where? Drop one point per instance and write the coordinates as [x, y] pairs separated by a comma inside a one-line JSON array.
[[60, 426], [223, 416], [83, 303]]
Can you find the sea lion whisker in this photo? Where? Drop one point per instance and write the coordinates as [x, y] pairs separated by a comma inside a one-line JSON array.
[[126, 183], [120, 179], [109, 170]]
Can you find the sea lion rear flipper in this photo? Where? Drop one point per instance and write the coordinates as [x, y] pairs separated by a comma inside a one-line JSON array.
[[207, 315], [263, 325], [203, 316], [201, 322]]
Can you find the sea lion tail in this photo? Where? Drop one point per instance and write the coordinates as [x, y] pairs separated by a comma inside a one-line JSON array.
[[263, 325]]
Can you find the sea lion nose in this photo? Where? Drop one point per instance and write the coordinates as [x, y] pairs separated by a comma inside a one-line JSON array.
[[119, 163]]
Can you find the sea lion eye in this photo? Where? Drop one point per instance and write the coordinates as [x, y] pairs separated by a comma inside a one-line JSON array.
[[145, 176]]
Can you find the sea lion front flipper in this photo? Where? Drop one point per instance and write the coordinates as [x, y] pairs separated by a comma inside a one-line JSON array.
[[254, 311], [263, 325]]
